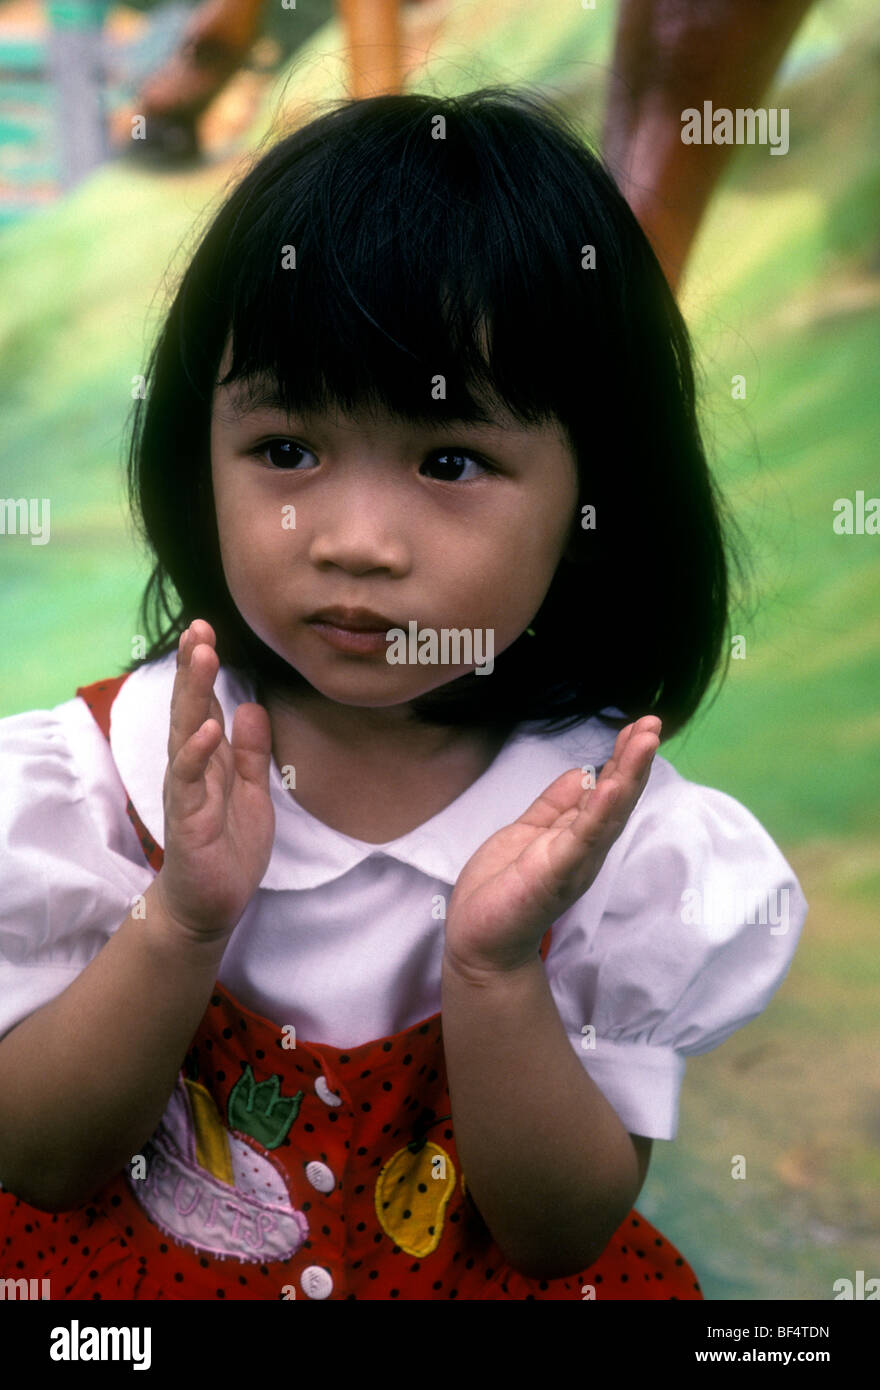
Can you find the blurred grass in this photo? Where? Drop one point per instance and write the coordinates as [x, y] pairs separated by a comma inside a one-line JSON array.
[[784, 288]]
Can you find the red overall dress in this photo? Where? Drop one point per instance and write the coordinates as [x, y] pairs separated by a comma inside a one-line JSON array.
[[285, 1169]]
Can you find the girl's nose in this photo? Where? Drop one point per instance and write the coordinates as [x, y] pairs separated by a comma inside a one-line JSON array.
[[362, 517], [359, 543]]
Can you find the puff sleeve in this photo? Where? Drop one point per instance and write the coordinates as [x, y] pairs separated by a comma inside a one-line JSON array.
[[69, 855], [690, 934]]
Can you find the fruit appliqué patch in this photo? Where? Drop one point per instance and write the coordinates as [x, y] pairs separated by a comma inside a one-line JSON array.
[[215, 1188], [412, 1193]]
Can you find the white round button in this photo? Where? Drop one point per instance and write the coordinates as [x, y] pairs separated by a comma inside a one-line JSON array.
[[325, 1093], [320, 1176], [315, 1282]]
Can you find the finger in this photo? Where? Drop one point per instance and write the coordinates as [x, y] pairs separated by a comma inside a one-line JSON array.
[[635, 741], [613, 799], [629, 778], [649, 723], [567, 794], [176, 736], [252, 744], [561, 796], [598, 821], [193, 699], [629, 747], [185, 780], [205, 635], [635, 761]]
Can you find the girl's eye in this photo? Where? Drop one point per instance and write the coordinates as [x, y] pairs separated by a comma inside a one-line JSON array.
[[447, 460], [289, 458]]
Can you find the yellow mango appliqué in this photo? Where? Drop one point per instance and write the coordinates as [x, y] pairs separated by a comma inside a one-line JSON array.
[[410, 1202]]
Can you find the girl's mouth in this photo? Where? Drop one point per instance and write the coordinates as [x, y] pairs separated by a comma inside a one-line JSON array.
[[345, 639]]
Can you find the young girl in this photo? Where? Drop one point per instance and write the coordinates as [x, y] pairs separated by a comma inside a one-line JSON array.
[[354, 939]]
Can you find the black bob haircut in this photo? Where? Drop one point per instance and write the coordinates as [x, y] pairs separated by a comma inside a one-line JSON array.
[[449, 235]]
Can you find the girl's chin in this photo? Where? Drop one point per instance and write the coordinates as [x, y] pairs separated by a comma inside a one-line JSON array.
[[376, 688], [357, 697], [346, 678]]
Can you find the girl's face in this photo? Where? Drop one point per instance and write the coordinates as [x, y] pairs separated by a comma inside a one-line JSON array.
[[452, 527]]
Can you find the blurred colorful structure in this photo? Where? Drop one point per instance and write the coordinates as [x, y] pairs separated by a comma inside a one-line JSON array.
[[63, 70], [72, 72], [668, 55]]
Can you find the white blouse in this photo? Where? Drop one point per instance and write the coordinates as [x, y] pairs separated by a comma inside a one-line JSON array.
[[684, 936]]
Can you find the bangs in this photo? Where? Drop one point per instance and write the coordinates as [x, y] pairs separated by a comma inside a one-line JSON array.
[[411, 277]]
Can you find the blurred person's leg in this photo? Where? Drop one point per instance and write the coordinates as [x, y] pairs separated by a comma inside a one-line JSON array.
[[372, 40], [217, 37], [671, 55]]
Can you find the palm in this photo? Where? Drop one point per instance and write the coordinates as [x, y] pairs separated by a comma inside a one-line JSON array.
[[223, 846], [529, 873], [240, 816]]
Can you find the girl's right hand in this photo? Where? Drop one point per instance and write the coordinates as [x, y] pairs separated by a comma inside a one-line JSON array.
[[219, 817]]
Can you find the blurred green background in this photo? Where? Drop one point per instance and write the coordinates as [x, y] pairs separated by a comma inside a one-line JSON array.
[[783, 288]]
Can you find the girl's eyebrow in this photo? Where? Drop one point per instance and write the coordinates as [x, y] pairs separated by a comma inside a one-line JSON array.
[[253, 398], [249, 397]]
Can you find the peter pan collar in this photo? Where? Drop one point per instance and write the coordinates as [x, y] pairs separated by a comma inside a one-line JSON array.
[[306, 852]]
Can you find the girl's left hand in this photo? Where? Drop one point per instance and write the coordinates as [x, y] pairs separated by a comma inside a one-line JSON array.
[[528, 874]]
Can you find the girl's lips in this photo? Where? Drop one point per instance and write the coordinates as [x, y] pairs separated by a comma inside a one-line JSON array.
[[354, 619], [346, 639]]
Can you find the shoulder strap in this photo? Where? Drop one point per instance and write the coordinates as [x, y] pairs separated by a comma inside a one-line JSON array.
[[99, 697]]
